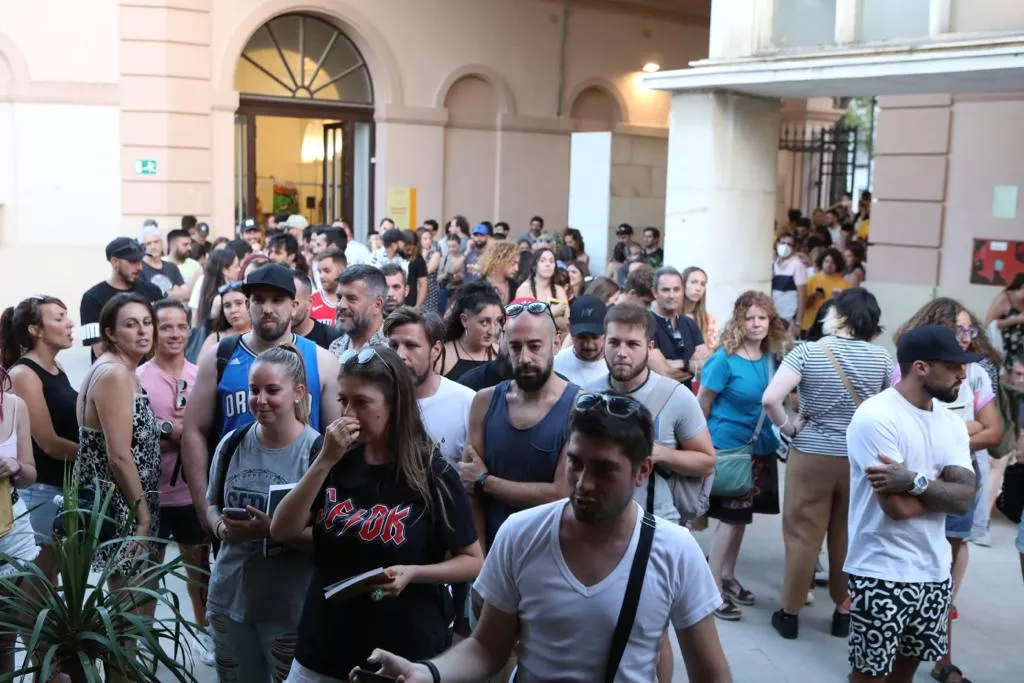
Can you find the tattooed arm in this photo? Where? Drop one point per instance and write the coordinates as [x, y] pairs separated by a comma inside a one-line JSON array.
[[952, 492]]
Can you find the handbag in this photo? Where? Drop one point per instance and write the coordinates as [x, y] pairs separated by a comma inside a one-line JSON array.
[[734, 470], [631, 600], [1011, 499]]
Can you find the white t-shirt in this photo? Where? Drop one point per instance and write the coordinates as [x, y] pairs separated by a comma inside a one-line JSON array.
[[446, 417], [912, 550], [577, 371], [193, 300], [565, 628], [356, 253]]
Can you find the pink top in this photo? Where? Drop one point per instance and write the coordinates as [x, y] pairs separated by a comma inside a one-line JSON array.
[[163, 398]]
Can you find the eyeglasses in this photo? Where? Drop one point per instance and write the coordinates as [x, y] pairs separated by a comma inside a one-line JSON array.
[[615, 406], [969, 332], [235, 286], [364, 356], [533, 308], [179, 397]]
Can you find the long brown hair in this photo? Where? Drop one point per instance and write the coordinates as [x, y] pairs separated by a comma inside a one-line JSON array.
[[698, 311], [732, 334], [412, 451], [15, 338], [943, 311]]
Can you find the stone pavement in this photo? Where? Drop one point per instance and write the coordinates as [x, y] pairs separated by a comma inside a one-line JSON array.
[[986, 636]]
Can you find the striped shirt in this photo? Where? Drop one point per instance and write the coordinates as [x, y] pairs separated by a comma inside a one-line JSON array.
[[825, 403]]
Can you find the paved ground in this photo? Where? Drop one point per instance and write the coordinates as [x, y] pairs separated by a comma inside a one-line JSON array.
[[987, 634]]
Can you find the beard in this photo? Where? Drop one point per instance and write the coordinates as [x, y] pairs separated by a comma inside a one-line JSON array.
[[599, 511], [356, 326], [944, 394], [268, 333], [621, 374], [532, 382]]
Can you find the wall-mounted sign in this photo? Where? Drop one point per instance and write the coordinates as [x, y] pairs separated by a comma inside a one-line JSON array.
[[401, 207], [996, 262], [145, 167]]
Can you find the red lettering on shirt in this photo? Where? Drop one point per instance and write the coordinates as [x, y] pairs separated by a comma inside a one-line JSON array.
[[394, 527], [354, 519], [372, 527], [377, 523]]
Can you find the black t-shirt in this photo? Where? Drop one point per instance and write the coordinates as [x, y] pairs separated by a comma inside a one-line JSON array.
[[99, 294], [363, 520], [417, 269], [680, 342], [164, 278], [322, 335]]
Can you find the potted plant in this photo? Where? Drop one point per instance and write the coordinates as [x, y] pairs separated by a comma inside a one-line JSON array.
[[80, 626]]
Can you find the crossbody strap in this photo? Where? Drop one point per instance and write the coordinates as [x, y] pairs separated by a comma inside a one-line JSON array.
[[630, 602], [760, 418], [842, 374]]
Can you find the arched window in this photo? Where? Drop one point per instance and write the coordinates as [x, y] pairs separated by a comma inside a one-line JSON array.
[[297, 56]]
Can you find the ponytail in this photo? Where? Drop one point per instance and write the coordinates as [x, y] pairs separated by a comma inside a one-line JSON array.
[[15, 339]]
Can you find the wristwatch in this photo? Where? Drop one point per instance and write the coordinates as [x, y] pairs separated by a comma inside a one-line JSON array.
[[478, 485], [166, 427], [920, 484]]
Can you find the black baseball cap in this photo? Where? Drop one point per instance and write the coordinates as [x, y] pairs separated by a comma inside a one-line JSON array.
[[932, 343], [125, 248], [586, 315], [271, 275], [624, 229], [392, 235]]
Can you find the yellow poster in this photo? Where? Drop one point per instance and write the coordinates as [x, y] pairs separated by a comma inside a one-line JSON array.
[[402, 207]]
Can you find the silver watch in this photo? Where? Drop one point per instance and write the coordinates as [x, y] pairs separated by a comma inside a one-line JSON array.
[[920, 484]]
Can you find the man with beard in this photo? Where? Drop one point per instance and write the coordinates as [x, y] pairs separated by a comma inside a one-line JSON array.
[[583, 362], [398, 290], [219, 401], [329, 265], [561, 574], [910, 466], [682, 447], [125, 257], [363, 291], [518, 428], [417, 338], [302, 322]]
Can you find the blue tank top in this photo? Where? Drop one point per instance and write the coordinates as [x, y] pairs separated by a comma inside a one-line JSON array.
[[522, 454], [233, 390]]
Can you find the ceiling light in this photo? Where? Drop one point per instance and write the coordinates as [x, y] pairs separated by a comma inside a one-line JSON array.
[[651, 67]]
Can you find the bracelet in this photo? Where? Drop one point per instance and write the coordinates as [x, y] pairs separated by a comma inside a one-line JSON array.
[[434, 673], [216, 529]]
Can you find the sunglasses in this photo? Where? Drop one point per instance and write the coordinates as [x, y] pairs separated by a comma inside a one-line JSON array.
[[235, 286], [179, 397], [615, 406], [364, 356], [533, 308]]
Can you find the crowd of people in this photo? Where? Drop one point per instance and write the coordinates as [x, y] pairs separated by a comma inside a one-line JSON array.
[[444, 455]]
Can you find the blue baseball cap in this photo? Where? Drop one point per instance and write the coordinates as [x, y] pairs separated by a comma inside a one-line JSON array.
[[481, 229]]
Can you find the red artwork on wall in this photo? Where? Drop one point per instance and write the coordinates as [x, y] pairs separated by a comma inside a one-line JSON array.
[[996, 262]]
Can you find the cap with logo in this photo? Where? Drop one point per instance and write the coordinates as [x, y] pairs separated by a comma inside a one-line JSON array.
[[125, 248], [248, 225], [391, 236], [624, 229], [932, 344], [481, 229], [586, 315], [203, 229], [271, 275]]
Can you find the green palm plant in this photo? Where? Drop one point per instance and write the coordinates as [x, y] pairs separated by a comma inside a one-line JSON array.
[[81, 626]]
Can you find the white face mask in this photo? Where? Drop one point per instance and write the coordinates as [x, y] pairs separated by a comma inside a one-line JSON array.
[[783, 250]]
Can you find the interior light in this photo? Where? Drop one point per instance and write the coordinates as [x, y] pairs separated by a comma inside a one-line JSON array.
[[651, 67]]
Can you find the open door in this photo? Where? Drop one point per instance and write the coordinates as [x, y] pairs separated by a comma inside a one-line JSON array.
[[338, 166]]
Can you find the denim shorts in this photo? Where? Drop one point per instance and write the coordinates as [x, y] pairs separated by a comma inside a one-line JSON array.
[[961, 526], [39, 501], [1020, 538]]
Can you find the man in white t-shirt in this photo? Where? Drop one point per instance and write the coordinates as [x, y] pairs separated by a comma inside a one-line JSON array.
[[555, 578], [417, 338], [910, 466], [583, 362]]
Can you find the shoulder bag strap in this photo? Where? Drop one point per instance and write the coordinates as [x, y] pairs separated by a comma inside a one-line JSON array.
[[630, 602], [842, 373], [760, 418], [227, 453], [660, 395]]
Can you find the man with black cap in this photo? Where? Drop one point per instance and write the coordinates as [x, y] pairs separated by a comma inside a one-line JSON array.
[[910, 466], [125, 257], [392, 251], [583, 362], [219, 401]]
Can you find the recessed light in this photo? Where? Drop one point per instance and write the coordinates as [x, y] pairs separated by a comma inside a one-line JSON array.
[[651, 67]]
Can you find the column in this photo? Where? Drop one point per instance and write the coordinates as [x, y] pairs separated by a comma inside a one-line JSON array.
[[720, 191]]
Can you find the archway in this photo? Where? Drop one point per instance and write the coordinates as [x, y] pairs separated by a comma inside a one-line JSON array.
[[304, 126], [471, 147], [595, 109]]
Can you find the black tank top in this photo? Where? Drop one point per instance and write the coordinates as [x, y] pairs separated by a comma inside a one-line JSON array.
[[60, 399]]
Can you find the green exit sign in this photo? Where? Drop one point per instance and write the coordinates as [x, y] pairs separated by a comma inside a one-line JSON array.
[[145, 167]]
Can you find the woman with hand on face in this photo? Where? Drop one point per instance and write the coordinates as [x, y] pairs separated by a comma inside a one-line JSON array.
[[380, 496], [256, 591]]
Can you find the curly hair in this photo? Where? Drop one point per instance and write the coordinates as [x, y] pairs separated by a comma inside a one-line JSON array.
[[498, 257], [944, 311], [732, 335]]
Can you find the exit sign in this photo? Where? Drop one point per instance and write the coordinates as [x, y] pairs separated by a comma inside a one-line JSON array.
[[145, 167]]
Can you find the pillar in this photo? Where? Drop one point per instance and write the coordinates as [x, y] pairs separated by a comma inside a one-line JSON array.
[[720, 191]]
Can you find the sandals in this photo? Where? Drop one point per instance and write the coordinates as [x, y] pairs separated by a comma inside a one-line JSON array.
[[728, 611], [732, 589], [942, 675]]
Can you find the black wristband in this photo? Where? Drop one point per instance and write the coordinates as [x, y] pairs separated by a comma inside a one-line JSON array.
[[435, 674]]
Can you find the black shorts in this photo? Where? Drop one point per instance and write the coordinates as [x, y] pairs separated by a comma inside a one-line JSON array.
[[180, 523], [890, 618]]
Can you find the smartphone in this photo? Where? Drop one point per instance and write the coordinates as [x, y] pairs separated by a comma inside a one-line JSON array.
[[240, 514], [362, 674]]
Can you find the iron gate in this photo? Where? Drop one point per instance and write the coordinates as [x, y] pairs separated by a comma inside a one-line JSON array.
[[817, 165]]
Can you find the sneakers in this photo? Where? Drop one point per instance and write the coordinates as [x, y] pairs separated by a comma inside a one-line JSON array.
[[810, 598], [820, 574], [209, 653], [985, 540], [788, 625], [840, 624]]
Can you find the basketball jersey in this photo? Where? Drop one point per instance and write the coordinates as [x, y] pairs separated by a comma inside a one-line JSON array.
[[233, 389]]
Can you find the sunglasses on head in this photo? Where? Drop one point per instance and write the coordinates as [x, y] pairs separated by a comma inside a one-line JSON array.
[[363, 356], [615, 406], [235, 286], [533, 308]]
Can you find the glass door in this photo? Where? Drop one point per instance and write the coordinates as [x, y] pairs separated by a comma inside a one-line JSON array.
[[337, 190], [242, 126]]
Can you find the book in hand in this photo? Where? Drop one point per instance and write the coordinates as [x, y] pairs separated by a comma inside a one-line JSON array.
[[357, 585], [275, 495]]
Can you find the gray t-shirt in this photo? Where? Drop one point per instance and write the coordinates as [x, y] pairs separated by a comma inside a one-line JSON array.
[[245, 585], [681, 419]]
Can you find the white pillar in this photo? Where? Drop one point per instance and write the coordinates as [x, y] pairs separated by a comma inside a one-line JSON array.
[[720, 196]]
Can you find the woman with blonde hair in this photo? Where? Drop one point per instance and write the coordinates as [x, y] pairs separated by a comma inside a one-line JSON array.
[[733, 382], [499, 265], [695, 304]]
